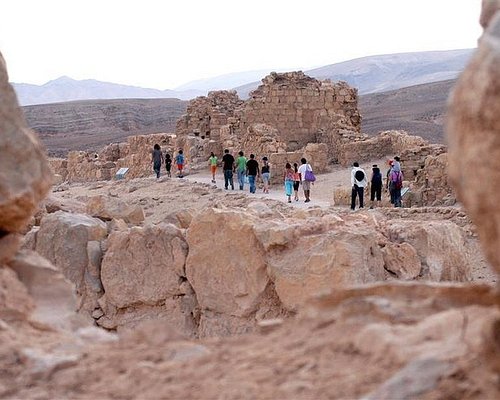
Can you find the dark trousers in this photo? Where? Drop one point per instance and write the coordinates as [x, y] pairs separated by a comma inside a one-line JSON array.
[[357, 191], [228, 178], [376, 192], [395, 195]]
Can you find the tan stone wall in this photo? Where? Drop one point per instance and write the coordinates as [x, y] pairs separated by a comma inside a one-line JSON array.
[[316, 154], [299, 106], [59, 166], [134, 154], [432, 182], [205, 115]]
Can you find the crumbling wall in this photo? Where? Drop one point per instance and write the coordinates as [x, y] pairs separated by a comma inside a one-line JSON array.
[[299, 106], [205, 115], [134, 154]]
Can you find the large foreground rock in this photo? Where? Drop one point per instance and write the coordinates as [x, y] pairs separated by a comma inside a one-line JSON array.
[[440, 245], [143, 277], [304, 262], [473, 130], [226, 264], [108, 208], [73, 243], [25, 177]]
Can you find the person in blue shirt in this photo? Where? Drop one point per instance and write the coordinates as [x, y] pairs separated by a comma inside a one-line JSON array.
[[179, 160]]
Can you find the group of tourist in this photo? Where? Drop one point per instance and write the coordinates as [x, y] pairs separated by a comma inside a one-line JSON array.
[[157, 158], [248, 170], [394, 184]]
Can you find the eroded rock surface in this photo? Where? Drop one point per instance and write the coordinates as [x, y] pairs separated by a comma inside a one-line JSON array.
[[25, 177]]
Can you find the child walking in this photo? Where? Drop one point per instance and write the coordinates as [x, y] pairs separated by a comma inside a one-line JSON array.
[[296, 181], [288, 178]]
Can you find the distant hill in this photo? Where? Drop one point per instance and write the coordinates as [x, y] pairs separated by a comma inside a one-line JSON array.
[[369, 74], [419, 109], [391, 71], [227, 81], [67, 89], [92, 124]]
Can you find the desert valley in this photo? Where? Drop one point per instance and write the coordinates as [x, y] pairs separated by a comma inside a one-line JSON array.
[[138, 287]]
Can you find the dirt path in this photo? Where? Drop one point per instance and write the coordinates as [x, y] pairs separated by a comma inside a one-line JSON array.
[[321, 191]]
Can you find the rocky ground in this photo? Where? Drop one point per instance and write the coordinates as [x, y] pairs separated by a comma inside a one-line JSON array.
[[163, 199]]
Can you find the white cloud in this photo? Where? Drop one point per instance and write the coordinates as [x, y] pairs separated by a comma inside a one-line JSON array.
[[163, 44]]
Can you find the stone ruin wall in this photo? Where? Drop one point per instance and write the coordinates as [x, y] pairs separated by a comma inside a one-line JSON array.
[[135, 154], [205, 115], [299, 106]]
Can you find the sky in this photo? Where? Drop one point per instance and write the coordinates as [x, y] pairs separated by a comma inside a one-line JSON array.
[[165, 43]]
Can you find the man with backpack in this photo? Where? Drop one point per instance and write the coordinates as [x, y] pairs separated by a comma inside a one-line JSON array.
[[396, 183], [376, 186], [358, 183]]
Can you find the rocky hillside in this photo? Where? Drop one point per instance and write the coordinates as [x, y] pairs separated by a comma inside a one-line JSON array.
[[418, 109], [91, 124]]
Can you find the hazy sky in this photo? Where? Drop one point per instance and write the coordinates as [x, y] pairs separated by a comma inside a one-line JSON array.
[[165, 43]]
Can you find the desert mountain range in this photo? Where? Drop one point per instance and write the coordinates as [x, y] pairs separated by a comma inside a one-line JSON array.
[[369, 74]]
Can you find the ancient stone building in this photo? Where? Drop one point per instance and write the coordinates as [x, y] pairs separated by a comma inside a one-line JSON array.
[[284, 114], [299, 106]]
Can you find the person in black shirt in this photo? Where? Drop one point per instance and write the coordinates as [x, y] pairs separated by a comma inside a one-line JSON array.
[[228, 169], [252, 172], [376, 186], [266, 174]]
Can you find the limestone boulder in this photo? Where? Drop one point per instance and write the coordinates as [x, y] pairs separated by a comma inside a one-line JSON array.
[[72, 242], [473, 128], [22, 187], [143, 278], [144, 265], [226, 264], [108, 208], [402, 260], [440, 246], [53, 294], [312, 264]]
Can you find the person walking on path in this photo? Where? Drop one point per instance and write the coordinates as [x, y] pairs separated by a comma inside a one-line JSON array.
[[266, 174], [168, 164], [296, 181], [156, 159], [388, 181], [288, 178], [306, 185], [376, 186], [228, 169], [241, 166], [358, 183], [179, 160], [396, 184], [213, 165], [252, 172]]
